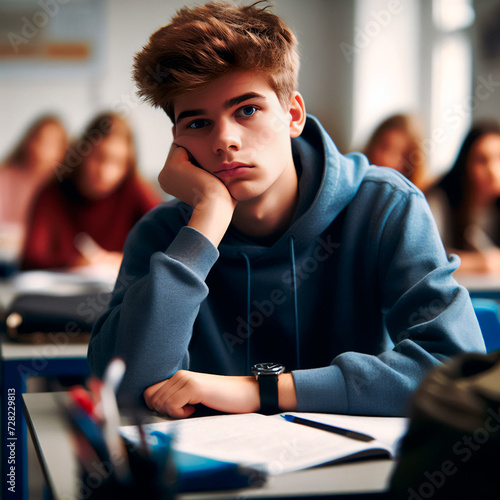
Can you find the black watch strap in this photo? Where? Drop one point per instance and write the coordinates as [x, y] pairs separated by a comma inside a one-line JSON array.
[[268, 390]]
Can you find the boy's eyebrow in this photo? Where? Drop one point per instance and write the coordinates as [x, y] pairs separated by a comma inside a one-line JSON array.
[[227, 104], [190, 112], [241, 98]]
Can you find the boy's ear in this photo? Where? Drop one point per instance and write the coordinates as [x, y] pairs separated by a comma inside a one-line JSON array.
[[297, 114]]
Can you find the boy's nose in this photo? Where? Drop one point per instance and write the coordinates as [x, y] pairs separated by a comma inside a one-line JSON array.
[[226, 137]]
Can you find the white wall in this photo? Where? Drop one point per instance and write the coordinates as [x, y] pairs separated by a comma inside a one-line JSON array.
[[386, 58], [326, 76]]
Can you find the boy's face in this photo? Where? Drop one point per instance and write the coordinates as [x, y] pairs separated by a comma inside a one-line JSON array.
[[237, 130]]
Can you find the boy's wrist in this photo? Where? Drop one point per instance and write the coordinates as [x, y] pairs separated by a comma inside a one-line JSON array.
[[286, 392], [212, 218]]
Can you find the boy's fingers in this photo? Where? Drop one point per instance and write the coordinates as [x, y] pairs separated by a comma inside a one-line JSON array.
[[150, 393], [177, 152], [183, 412]]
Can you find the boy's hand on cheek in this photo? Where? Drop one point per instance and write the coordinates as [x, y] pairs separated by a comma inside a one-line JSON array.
[[188, 182], [178, 395], [213, 205]]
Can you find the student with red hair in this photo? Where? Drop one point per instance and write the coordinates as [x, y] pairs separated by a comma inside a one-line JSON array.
[[84, 215]]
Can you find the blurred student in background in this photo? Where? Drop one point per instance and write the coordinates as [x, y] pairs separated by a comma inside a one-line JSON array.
[[397, 143], [29, 166], [84, 215], [466, 201]]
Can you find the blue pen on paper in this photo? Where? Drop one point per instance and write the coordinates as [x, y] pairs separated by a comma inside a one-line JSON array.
[[329, 428]]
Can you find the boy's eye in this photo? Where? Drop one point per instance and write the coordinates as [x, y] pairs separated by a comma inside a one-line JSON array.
[[199, 123], [246, 111]]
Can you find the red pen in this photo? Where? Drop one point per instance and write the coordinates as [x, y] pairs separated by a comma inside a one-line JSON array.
[[82, 398]]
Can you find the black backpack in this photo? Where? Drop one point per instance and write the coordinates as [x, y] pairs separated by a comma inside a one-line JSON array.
[[452, 447]]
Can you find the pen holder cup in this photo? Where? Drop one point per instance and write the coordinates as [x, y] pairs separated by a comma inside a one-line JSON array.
[[151, 477]]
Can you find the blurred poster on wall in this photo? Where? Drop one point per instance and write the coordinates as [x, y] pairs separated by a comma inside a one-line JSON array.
[[42, 35]]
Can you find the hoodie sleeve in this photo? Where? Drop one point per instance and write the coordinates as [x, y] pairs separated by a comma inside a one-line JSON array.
[[428, 317], [148, 302]]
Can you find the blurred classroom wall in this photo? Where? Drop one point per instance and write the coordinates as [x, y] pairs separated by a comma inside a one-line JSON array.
[[360, 61]]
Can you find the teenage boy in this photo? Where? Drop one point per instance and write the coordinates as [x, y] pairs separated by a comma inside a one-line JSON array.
[[278, 248]]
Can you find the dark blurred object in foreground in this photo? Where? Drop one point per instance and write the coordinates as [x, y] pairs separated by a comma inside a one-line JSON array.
[[452, 446]]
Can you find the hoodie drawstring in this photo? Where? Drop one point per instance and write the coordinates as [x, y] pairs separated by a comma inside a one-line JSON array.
[[294, 297], [249, 272]]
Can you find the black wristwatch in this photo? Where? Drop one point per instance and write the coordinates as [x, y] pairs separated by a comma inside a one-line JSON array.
[[267, 376]]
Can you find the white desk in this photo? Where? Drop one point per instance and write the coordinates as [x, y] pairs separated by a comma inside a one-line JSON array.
[[50, 434]]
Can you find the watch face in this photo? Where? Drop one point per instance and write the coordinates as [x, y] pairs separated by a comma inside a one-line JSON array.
[[267, 369]]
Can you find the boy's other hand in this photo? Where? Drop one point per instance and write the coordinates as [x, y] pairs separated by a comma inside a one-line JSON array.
[[177, 395]]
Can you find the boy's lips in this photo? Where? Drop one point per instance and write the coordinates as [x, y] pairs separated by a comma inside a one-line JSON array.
[[232, 169]]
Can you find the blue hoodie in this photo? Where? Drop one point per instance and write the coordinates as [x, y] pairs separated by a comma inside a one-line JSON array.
[[357, 298]]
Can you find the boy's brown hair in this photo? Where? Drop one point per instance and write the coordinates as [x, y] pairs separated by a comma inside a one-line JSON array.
[[207, 42]]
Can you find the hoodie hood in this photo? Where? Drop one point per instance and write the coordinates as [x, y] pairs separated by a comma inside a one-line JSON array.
[[328, 181]]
